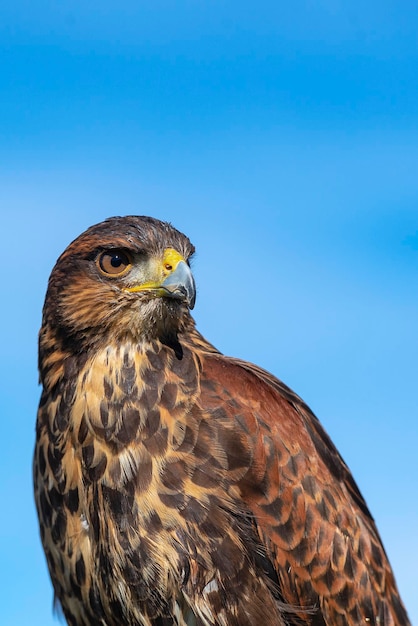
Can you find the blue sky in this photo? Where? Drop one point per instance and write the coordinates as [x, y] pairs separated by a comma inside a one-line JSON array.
[[282, 138]]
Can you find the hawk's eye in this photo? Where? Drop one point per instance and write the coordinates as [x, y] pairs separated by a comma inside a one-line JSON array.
[[114, 262]]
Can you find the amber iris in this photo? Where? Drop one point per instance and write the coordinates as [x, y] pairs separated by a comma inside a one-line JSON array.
[[114, 262]]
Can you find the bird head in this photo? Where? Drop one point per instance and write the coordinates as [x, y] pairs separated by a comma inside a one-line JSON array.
[[127, 276]]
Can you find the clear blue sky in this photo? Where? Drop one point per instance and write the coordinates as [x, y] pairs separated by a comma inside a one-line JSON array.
[[282, 137]]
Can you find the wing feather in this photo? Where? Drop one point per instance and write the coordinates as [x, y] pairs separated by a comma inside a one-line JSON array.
[[309, 514]]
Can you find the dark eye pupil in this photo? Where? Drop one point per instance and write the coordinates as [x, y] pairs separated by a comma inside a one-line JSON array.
[[116, 261]]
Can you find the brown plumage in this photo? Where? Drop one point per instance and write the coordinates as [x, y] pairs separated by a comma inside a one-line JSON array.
[[177, 486]]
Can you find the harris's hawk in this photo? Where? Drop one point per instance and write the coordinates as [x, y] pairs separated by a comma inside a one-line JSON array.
[[176, 486]]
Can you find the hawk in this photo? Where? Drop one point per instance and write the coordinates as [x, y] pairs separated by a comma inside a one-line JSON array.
[[176, 486]]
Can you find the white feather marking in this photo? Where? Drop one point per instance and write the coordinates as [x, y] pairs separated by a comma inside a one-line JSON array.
[[84, 523], [211, 586]]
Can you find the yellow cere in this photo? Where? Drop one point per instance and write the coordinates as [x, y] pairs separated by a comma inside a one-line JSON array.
[[170, 261]]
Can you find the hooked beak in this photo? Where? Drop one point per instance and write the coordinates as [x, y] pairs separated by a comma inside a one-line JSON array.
[[180, 285], [175, 280]]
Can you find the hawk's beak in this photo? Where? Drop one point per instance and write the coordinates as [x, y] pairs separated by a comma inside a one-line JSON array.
[[176, 282], [180, 284]]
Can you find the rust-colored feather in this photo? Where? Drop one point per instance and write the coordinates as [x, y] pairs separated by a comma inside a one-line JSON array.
[[176, 486]]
